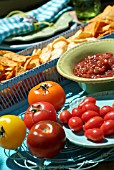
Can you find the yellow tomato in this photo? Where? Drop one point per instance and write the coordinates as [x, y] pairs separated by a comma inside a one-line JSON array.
[[12, 131]]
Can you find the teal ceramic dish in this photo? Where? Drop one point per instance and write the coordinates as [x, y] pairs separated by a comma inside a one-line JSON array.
[[69, 59], [78, 138]]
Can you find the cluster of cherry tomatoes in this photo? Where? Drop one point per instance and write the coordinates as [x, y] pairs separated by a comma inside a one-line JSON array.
[[96, 122]]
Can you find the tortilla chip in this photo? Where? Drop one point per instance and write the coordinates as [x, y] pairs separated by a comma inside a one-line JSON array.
[[45, 56], [107, 15], [58, 40], [9, 74], [92, 28], [26, 64], [19, 70], [2, 52], [32, 62], [6, 62], [36, 52], [2, 68], [105, 33], [16, 57]]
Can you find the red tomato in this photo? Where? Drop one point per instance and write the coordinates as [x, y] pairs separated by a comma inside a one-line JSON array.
[[109, 116], [105, 109], [94, 122], [77, 112], [95, 134], [88, 114], [46, 139], [90, 106], [39, 111], [75, 124], [87, 100], [108, 127], [64, 116], [48, 91]]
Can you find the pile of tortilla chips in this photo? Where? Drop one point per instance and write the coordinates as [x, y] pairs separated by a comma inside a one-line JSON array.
[[12, 64], [102, 24]]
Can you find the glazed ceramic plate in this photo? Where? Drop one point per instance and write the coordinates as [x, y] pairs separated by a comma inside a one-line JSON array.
[[61, 24], [103, 98]]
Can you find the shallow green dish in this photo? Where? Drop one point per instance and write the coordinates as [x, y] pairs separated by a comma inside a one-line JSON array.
[[69, 59]]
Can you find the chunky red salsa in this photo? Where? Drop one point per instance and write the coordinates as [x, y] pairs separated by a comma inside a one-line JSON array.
[[95, 66]]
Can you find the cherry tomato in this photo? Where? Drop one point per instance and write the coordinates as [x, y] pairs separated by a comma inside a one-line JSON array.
[[108, 127], [109, 116], [12, 131], [75, 124], [94, 122], [77, 112], [39, 111], [105, 109], [87, 100], [64, 116], [46, 139], [95, 134], [88, 114], [90, 106], [48, 91]]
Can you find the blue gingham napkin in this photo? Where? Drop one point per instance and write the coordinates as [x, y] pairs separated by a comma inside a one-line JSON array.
[[16, 25]]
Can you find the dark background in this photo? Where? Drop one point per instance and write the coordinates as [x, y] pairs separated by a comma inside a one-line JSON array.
[[7, 6]]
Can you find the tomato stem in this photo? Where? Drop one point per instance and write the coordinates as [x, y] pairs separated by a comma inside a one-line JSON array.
[[34, 109], [44, 87], [2, 132], [38, 108]]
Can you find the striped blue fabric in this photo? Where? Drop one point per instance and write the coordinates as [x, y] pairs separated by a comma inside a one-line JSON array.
[[15, 25]]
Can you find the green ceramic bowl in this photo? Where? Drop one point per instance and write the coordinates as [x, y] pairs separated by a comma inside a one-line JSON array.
[[69, 59]]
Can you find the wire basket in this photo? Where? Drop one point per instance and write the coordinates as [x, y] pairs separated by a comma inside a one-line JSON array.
[[14, 92]]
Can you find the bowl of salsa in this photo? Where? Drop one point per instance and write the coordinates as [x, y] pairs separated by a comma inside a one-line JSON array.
[[90, 64]]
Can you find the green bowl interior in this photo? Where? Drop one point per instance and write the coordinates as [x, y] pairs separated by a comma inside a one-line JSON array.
[[70, 58]]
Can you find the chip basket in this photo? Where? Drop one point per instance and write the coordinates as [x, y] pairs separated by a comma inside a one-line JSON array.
[[14, 92]]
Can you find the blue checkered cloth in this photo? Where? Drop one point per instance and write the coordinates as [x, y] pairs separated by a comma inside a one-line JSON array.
[[16, 25]]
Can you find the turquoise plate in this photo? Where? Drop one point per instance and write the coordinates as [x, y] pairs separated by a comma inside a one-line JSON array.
[[103, 98]]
